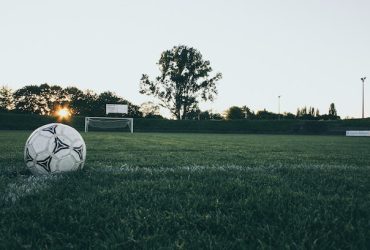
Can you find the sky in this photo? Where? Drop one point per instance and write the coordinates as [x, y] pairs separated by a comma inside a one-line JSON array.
[[311, 53]]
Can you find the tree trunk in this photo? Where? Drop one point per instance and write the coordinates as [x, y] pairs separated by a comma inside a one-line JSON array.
[[178, 114], [184, 113]]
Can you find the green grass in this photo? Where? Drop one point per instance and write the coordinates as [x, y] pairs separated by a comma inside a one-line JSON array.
[[191, 191]]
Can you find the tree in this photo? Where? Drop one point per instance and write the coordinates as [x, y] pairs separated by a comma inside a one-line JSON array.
[[234, 112], [205, 115], [42, 99], [288, 116], [27, 99], [184, 79], [150, 110], [266, 115], [74, 98], [306, 113], [88, 103], [45, 99], [54, 96], [134, 110], [6, 98], [248, 113], [216, 116], [193, 113], [333, 112], [50, 98]]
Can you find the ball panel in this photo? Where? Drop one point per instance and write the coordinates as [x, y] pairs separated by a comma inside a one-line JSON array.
[[41, 156], [75, 155], [54, 165], [29, 153], [39, 143], [67, 163], [71, 133], [61, 146]]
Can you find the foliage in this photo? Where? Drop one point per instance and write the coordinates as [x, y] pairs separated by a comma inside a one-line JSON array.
[[266, 115], [184, 80], [205, 115], [193, 192], [288, 116], [234, 113], [333, 112], [150, 110], [303, 113], [75, 99], [308, 113], [284, 126], [216, 116], [6, 98], [45, 100], [248, 112], [28, 100]]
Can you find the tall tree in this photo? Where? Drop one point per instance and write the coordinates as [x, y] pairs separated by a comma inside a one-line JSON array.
[[333, 112], [184, 80], [6, 98]]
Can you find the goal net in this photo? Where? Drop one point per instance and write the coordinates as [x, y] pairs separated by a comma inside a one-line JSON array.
[[109, 123]]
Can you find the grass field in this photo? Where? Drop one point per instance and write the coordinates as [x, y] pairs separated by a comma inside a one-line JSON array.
[[191, 191]]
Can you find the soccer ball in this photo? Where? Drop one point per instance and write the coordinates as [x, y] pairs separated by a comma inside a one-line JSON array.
[[54, 148]]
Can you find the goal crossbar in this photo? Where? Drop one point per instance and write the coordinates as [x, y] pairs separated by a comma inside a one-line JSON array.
[[109, 122]]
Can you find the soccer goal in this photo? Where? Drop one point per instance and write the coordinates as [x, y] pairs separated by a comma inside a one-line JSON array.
[[109, 123]]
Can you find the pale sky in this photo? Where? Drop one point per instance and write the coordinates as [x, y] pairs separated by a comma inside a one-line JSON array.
[[310, 52]]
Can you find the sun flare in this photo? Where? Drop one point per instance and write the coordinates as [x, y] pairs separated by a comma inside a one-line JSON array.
[[63, 113]]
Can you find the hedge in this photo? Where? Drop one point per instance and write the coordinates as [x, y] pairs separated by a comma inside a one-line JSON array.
[[12, 121]]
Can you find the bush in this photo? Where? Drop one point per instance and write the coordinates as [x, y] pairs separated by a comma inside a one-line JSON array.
[[13, 121]]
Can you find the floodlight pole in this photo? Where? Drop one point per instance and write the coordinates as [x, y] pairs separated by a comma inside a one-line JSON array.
[[363, 96], [279, 107]]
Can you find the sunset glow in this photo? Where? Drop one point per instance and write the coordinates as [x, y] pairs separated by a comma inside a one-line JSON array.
[[63, 113]]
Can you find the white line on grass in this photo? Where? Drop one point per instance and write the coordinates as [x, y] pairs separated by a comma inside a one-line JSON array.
[[28, 186], [197, 168]]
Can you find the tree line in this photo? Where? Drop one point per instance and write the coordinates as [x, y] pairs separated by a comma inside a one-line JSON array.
[[46, 99], [304, 113]]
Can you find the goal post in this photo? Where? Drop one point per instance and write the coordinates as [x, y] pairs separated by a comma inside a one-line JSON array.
[[109, 123]]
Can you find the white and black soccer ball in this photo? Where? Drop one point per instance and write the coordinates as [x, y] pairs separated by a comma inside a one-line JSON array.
[[54, 148]]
